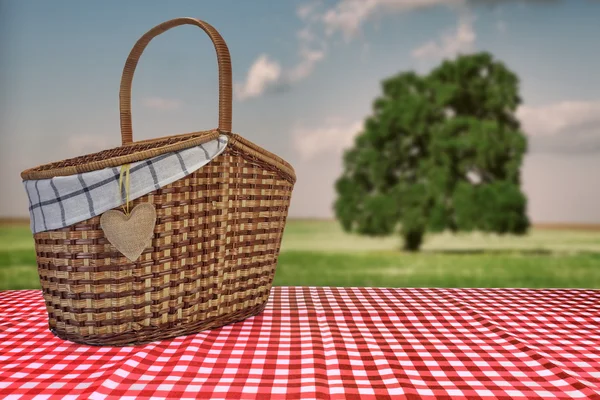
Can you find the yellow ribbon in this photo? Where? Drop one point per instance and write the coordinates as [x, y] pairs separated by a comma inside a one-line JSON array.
[[124, 172]]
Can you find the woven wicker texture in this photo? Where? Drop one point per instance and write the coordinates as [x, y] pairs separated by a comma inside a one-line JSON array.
[[141, 150], [215, 243], [212, 259]]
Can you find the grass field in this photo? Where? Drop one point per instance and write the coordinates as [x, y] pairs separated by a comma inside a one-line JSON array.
[[318, 253]]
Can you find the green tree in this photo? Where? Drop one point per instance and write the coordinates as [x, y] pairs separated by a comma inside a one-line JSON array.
[[439, 152]]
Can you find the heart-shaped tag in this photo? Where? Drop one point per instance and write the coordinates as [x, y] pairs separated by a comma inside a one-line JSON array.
[[130, 234]]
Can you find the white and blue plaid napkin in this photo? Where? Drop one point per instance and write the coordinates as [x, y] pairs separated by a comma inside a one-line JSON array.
[[66, 200]]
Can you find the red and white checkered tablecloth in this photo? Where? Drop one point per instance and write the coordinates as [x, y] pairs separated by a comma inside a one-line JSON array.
[[345, 343]]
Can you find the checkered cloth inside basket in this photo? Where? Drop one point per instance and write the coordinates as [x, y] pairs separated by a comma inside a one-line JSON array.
[[341, 343], [65, 200]]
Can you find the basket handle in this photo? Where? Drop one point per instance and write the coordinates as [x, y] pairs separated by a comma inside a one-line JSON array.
[[223, 60]]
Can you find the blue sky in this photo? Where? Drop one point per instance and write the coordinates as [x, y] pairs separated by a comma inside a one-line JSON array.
[[305, 73]]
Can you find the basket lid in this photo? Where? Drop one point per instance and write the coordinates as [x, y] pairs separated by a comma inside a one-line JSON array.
[[117, 156], [62, 201]]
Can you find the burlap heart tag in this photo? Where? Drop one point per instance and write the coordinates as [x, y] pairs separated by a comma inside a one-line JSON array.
[[130, 234]]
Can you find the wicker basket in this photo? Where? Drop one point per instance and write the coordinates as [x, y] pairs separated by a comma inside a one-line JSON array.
[[215, 244]]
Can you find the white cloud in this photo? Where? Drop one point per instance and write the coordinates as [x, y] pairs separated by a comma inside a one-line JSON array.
[[461, 40], [266, 74], [309, 58], [347, 16], [558, 118], [331, 138], [306, 35], [159, 103], [262, 74], [311, 48], [306, 11], [564, 127]]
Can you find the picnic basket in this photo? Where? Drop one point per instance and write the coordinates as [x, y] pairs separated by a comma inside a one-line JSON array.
[[212, 253]]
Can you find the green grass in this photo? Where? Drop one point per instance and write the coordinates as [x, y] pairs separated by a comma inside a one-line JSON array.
[[438, 270], [327, 236], [318, 253], [15, 238]]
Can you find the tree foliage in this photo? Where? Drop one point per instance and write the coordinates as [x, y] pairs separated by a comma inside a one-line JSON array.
[[439, 152]]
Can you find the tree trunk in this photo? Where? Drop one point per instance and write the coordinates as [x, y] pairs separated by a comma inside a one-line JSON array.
[[413, 240]]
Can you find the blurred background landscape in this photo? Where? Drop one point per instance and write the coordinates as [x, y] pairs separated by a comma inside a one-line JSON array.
[[499, 184], [319, 253]]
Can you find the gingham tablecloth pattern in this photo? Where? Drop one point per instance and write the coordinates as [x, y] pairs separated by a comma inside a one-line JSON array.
[[341, 343]]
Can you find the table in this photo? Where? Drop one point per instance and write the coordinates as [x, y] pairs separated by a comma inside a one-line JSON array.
[[325, 342]]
